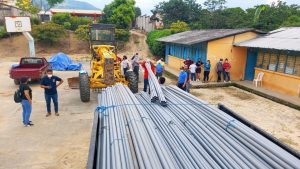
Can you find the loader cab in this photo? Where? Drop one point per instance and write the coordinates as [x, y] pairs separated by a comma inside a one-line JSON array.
[[102, 34]]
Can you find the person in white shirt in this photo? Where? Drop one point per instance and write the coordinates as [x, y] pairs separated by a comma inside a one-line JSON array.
[[125, 65], [193, 68]]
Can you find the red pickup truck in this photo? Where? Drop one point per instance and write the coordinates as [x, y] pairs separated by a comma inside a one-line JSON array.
[[33, 68]]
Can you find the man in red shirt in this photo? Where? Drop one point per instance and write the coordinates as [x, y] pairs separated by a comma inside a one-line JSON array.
[[146, 81], [226, 68], [188, 62]]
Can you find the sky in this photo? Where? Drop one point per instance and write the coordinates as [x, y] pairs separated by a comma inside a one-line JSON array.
[[147, 5]]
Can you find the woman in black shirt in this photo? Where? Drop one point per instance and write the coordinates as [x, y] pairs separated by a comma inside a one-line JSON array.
[[198, 69], [26, 95]]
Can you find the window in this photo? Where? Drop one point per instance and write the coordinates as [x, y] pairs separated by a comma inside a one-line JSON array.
[[281, 63], [266, 60], [273, 62], [289, 69], [297, 66], [259, 59], [32, 61]]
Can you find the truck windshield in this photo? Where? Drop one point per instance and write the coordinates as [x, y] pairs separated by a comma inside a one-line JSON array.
[[102, 35], [31, 61]]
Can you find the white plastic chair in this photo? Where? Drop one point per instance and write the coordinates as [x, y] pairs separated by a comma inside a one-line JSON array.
[[258, 79]]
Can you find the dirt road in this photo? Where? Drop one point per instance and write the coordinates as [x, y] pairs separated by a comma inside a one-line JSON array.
[[52, 143]]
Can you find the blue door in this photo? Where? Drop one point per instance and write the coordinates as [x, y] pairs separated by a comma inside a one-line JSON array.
[[250, 64]]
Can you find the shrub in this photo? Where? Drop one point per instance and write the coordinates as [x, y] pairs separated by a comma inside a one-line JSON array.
[[67, 25], [48, 33], [179, 26], [157, 48], [3, 33], [35, 21], [82, 32], [122, 35], [76, 21], [61, 18]]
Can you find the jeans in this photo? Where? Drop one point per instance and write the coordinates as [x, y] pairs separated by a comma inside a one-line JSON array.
[[146, 83], [227, 74], [219, 76], [158, 75], [26, 111], [206, 76], [180, 85], [48, 98], [193, 76], [125, 70], [187, 86], [136, 70]]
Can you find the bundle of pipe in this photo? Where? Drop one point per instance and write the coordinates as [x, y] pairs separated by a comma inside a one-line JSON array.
[[155, 88], [187, 134]]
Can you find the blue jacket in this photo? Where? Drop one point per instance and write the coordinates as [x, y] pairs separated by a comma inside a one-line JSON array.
[[207, 67]]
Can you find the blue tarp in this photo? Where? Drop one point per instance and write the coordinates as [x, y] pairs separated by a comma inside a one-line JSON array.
[[62, 62]]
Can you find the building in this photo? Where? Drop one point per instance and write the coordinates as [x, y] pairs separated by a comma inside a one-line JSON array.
[[148, 24], [9, 2], [10, 10], [277, 55], [209, 45], [46, 16]]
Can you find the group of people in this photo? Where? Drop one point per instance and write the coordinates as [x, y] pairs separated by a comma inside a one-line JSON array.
[[49, 83], [191, 71]]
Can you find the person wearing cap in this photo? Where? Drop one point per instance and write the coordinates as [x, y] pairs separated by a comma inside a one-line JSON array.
[[26, 96], [49, 83], [146, 81]]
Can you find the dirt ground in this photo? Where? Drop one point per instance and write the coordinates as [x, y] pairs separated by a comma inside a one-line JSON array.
[[281, 121]]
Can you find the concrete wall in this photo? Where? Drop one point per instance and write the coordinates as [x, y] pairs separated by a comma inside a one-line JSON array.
[[280, 82], [144, 23], [174, 62], [237, 56]]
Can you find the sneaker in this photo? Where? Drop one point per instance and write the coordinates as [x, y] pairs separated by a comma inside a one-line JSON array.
[[30, 124], [48, 114], [56, 114]]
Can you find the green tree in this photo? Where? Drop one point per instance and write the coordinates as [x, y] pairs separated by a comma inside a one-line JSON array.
[[120, 12], [137, 11], [292, 21], [61, 18], [82, 32], [27, 6], [183, 10], [179, 26], [213, 5], [157, 48]]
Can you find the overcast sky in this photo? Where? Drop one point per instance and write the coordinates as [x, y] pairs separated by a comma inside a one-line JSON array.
[[147, 5]]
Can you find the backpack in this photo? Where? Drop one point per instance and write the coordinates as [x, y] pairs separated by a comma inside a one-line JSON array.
[[18, 96], [159, 68]]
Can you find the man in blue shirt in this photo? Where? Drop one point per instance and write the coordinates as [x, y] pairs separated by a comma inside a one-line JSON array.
[[206, 71], [182, 79], [49, 83]]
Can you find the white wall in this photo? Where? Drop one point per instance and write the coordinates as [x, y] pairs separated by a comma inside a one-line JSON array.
[[144, 23]]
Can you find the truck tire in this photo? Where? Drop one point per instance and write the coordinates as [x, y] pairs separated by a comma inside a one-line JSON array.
[[84, 87], [17, 82], [133, 82]]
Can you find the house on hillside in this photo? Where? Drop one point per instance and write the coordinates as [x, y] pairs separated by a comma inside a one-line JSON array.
[[148, 24], [95, 14], [277, 55], [210, 45], [7, 9]]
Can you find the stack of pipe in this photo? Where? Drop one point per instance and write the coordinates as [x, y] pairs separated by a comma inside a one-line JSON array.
[[189, 133], [155, 88]]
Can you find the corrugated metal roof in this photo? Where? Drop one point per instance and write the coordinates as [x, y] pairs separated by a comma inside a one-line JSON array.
[[76, 11], [198, 36], [280, 39]]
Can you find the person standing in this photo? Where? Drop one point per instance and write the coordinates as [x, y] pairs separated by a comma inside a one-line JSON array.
[[159, 69], [226, 67], [188, 62], [206, 71], [198, 69], [26, 96], [220, 70], [135, 64], [49, 83], [182, 79], [125, 65], [188, 81], [146, 80], [193, 68]]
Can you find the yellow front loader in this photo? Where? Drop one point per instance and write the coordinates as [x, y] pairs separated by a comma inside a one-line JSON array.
[[105, 65]]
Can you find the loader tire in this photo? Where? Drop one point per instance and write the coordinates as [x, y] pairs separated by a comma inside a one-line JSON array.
[[84, 87], [133, 82]]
